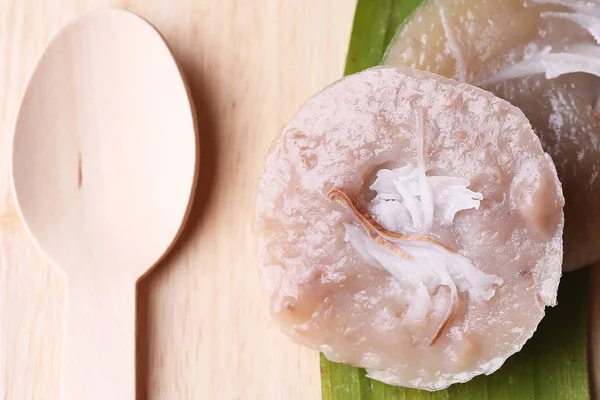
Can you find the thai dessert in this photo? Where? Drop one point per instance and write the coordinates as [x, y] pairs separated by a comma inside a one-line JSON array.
[[542, 56], [411, 225]]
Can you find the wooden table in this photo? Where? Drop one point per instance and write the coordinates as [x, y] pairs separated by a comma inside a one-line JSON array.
[[202, 327]]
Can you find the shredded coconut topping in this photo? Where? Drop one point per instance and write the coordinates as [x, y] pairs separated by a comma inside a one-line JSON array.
[[408, 204], [588, 22], [578, 57], [582, 7], [461, 68]]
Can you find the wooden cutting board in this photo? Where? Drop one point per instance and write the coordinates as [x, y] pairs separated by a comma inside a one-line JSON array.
[[203, 331]]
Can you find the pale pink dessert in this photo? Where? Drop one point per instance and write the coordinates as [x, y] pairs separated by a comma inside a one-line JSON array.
[[410, 225], [542, 56]]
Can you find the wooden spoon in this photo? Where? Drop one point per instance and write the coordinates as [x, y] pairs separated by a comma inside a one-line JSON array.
[[104, 168]]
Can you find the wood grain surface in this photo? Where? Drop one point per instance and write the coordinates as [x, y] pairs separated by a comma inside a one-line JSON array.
[[202, 330]]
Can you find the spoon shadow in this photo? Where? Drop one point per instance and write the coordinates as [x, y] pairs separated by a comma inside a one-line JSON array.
[[202, 95]]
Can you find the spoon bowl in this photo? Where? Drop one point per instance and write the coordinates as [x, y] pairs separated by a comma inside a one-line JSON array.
[[104, 169]]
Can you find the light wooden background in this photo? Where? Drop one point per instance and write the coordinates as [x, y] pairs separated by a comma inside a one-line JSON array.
[[203, 333]]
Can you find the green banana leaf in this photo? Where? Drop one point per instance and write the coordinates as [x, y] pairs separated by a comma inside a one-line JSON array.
[[551, 366]]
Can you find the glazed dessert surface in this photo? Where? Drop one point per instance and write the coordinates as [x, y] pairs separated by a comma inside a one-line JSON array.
[[410, 225]]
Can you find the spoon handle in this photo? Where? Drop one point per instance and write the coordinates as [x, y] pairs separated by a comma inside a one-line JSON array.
[[99, 346]]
